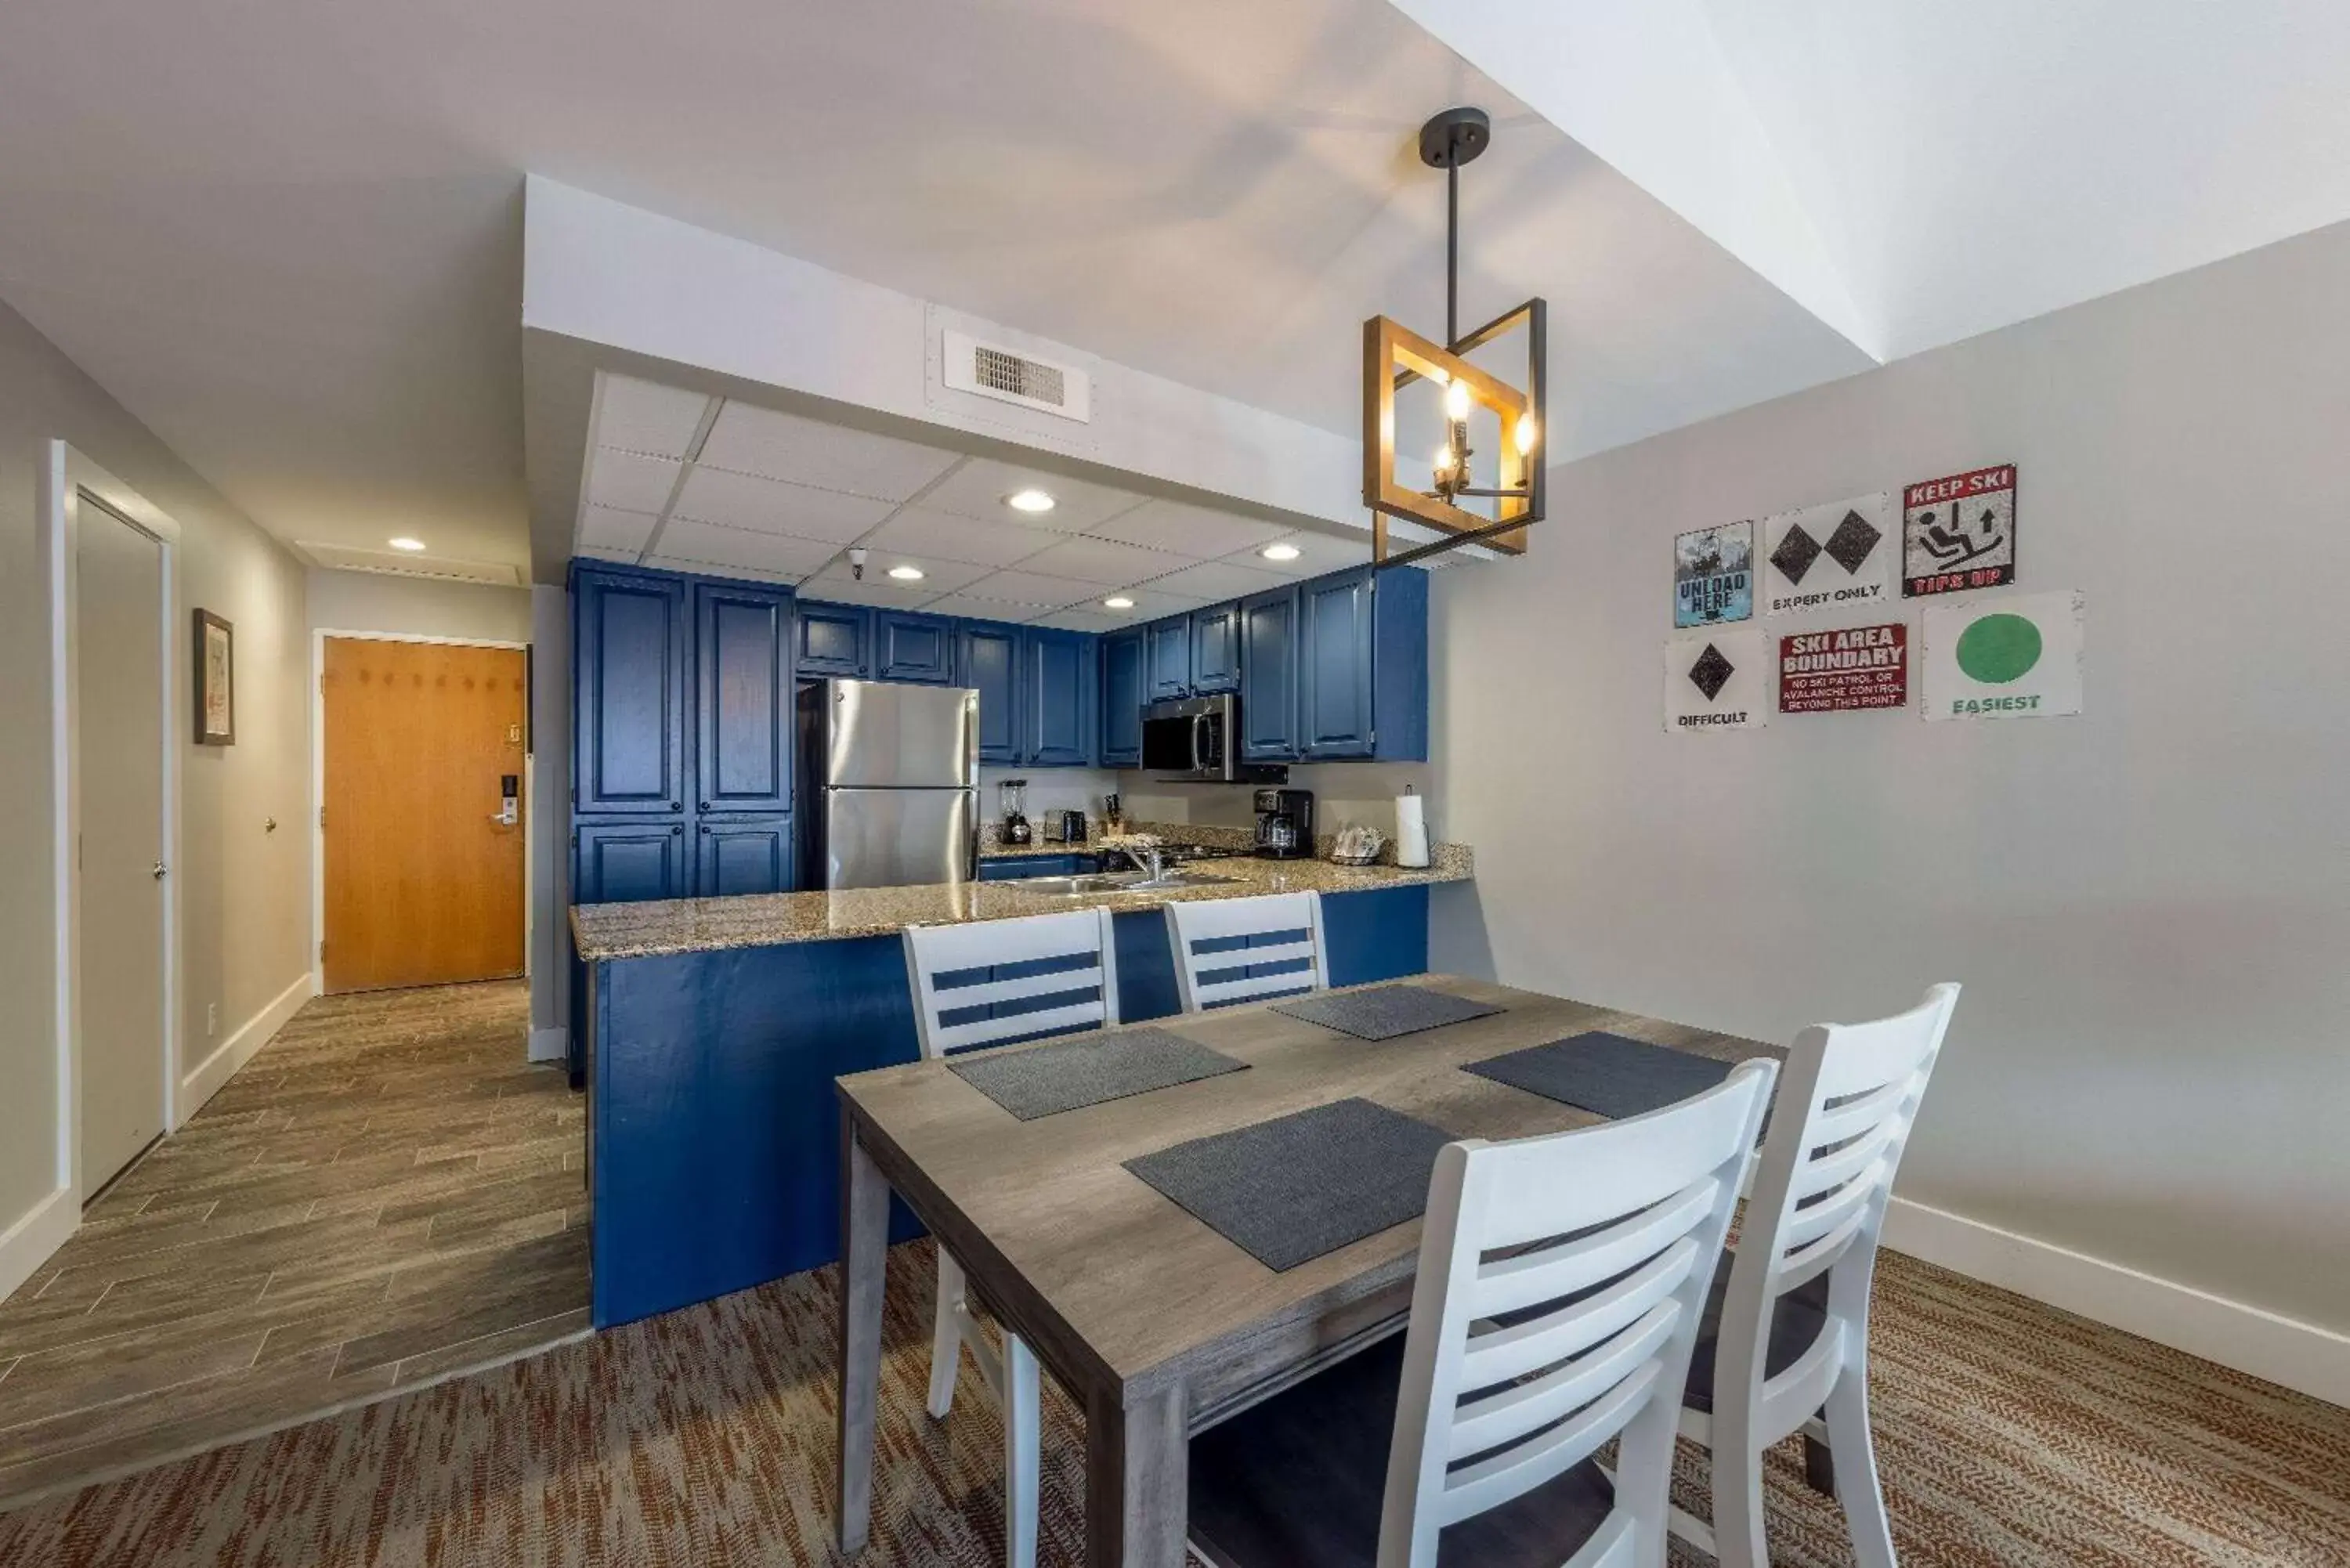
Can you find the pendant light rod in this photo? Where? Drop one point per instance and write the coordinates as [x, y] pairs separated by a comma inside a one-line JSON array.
[[1446, 142], [1453, 257]]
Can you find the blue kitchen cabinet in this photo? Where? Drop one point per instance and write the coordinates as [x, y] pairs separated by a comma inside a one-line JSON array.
[[991, 661], [629, 631], [1216, 649], [1027, 867], [629, 862], [1168, 668], [1059, 698], [1362, 675], [743, 854], [1122, 657], [1268, 638], [742, 698], [916, 647], [834, 639]]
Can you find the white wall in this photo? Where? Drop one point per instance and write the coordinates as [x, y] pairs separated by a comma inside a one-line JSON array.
[[2146, 903], [417, 606]]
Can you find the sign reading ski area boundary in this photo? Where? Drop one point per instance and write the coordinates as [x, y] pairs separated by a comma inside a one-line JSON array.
[[1959, 533], [1843, 672]]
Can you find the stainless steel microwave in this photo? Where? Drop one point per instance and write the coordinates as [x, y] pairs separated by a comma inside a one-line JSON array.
[[1198, 738]]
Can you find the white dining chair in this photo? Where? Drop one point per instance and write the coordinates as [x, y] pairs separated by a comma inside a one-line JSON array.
[[983, 984], [1787, 1330], [1230, 950], [1560, 1286]]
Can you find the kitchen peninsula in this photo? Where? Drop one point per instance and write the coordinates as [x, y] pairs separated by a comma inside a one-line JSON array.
[[714, 1029]]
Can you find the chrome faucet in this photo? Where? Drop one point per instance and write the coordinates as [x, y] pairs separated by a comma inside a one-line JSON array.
[[1154, 863]]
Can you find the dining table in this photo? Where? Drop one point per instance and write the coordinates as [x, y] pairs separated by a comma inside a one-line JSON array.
[[1155, 1324]]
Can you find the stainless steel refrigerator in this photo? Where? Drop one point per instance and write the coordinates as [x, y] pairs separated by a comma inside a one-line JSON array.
[[889, 784]]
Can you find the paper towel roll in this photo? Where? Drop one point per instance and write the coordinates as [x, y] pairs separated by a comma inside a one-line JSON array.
[[1411, 831]]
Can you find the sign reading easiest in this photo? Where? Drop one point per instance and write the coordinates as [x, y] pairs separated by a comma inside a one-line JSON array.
[[2016, 658], [1718, 682], [1859, 667], [1959, 533], [1713, 574]]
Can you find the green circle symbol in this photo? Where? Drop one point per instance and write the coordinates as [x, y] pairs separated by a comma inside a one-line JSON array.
[[1998, 649]]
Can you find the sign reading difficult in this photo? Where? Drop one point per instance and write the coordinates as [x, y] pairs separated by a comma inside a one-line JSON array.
[[1959, 533], [1716, 682], [2013, 659], [1713, 574], [1828, 558], [1846, 671]]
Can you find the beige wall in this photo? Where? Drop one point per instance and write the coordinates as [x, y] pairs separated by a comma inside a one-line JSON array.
[[243, 890], [2147, 902], [418, 606]]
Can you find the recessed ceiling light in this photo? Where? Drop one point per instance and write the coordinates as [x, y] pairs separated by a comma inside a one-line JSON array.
[[1279, 552], [405, 542], [1117, 601], [907, 573], [1030, 500]]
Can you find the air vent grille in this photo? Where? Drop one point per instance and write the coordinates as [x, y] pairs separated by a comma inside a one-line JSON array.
[[970, 366], [1029, 379]]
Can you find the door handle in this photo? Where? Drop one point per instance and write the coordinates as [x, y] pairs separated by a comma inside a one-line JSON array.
[[161, 871]]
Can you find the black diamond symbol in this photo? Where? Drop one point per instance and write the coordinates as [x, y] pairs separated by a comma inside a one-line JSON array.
[[1849, 545], [1795, 553], [1712, 672]]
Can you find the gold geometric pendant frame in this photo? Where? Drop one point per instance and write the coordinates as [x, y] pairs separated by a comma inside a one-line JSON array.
[[1393, 358]]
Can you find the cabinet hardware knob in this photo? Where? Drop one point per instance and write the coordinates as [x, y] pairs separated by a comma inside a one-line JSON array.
[[701, 806], [677, 806], [677, 827]]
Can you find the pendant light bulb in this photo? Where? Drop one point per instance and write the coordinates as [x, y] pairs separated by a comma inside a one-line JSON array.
[[1456, 400], [1527, 433]]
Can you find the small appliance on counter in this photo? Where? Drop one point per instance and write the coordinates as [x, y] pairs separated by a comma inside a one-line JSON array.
[[1014, 794], [1065, 827], [1113, 815], [1285, 824]]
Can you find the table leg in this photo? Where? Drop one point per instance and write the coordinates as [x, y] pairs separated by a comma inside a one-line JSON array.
[[864, 1232], [1136, 1460]]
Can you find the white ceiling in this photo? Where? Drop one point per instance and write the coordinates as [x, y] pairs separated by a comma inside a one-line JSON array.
[[1917, 172], [709, 484]]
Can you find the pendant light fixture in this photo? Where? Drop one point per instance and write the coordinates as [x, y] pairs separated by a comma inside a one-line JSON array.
[[1395, 357]]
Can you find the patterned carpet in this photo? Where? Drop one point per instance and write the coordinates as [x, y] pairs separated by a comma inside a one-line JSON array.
[[2011, 1435]]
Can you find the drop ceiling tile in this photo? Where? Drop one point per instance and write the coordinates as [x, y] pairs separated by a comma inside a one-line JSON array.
[[606, 528], [647, 417], [1086, 620], [986, 610], [938, 577], [769, 506], [946, 536], [621, 558], [843, 590], [630, 482], [692, 541], [1317, 554], [977, 489], [1149, 604], [721, 569], [1195, 530], [1103, 561], [748, 439], [1219, 580], [1022, 587]]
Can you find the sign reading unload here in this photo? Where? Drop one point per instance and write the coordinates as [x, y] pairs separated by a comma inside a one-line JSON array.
[[1959, 533], [1828, 558], [2011, 659], [1713, 574], [1842, 671], [1718, 682]]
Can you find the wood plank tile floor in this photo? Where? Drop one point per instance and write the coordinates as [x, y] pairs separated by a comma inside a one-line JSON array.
[[387, 1193]]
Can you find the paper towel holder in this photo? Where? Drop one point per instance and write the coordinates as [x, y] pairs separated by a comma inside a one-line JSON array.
[[1411, 829]]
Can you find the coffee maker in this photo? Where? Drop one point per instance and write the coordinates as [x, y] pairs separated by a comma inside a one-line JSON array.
[[1285, 824]]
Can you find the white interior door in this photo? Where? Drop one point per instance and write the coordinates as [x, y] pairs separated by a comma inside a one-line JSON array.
[[120, 713]]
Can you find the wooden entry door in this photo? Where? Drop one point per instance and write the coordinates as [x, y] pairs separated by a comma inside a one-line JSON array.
[[423, 884]]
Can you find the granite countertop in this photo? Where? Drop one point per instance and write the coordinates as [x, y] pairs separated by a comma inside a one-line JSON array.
[[605, 931]]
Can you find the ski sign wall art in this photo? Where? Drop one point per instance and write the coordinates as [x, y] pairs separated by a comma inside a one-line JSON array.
[[1828, 558], [1717, 681], [2016, 658], [1713, 576], [1959, 533], [1850, 669]]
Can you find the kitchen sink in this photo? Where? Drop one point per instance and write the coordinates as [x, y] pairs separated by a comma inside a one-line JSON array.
[[1120, 882]]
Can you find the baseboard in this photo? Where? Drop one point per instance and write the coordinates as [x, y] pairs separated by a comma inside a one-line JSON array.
[[26, 1245], [203, 1080], [550, 1044], [2299, 1356]]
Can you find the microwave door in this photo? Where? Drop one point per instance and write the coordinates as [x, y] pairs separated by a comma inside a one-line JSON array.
[[1166, 745]]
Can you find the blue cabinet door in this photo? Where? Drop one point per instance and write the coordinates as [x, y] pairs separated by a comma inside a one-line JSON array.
[[743, 854], [743, 698], [1216, 649], [1027, 867], [834, 639], [991, 663], [1269, 677], [1122, 658], [628, 691], [1169, 669], [628, 862], [918, 647], [1057, 698], [1336, 671]]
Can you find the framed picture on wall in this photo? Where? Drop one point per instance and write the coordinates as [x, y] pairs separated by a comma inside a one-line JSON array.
[[215, 680]]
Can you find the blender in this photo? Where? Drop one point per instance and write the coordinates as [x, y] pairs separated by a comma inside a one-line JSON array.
[[1014, 795]]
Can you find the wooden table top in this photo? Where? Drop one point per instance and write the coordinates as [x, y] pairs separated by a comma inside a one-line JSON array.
[[1114, 1281]]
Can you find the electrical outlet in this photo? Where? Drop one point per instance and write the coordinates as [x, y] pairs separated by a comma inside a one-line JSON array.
[[212, 1019]]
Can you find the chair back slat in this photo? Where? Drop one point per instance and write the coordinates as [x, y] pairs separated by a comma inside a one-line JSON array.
[[1231, 950], [1628, 1218], [993, 980]]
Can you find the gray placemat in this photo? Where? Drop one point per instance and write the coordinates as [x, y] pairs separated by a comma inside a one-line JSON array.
[[1611, 1075], [1384, 1011], [1089, 1069], [1290, 1189]]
